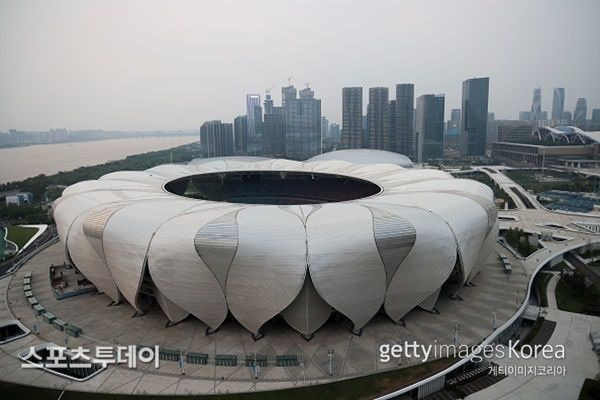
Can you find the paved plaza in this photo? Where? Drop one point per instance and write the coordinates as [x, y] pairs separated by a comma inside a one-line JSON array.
[[105, 324]]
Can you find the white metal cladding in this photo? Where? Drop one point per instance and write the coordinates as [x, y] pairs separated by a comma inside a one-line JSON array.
[[428, 264], [216, 244], [394, 237], [88, 261], [429, 303], [269, 267], [395, 248], [308, 312], [486, 250], [171, 310], [88, 186], [178, 271], [465, 217], [344, 262], [126, 238]]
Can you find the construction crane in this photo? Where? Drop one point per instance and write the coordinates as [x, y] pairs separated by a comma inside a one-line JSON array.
[[268, 91], [290, 81], [308, 83]]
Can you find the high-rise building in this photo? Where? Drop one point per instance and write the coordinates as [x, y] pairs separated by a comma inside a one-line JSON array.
[[455, 115], [558, 103], [303, 125], [365, 133], [352, 130], [429, 127], [334, 131], [405, 103], [568, 116], [324, 127], [492, 130], [252, 102], [240, 135], [536, 105], [268, 103], [391, 128], [594, 124], [453, 124], [580, 113], [474, 116], [378, 119], [524, 116], [273, 135], [216, 139], [288, 93]]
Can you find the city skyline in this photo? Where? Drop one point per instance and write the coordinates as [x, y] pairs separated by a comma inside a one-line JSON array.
[[70, 71]]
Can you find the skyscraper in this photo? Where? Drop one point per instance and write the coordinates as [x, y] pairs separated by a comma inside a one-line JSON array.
[[352, 105], [273, 135], [303, 125], [558, 103], [595, 123], [536, 105], [524, 116], [492, 130], [474, 116], [252, 102], [216, 139], [429, 127], [377, 119], [390, 126], [455, 115], [596, 116], [288, 93], [324, 127], [580, 113], [405, 103], [268, 103], [240, 135], [334, 131]]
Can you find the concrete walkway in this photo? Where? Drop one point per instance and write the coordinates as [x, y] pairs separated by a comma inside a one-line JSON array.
[[551, 292], [572, 331]]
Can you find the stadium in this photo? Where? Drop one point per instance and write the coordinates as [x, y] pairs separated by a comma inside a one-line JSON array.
[[352, 233]]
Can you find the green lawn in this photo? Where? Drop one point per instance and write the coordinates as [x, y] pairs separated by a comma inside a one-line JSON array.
[[530, 180], [365, 388], [20, 235]]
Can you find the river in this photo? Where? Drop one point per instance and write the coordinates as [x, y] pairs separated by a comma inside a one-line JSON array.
[[18, 163]]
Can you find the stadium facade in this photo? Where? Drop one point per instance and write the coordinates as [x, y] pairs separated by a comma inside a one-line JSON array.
[[261, 238]]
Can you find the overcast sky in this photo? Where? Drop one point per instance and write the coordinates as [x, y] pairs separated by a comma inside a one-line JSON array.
[[137, 65]]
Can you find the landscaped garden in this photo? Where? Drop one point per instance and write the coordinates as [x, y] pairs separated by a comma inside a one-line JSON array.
[[573, 295], [20, 235], [537, 181], [518, 239]]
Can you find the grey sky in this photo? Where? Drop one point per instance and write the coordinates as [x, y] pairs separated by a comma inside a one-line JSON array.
[[171, 65]]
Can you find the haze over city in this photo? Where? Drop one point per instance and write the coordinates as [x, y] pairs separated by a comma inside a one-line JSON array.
[[159, 65]]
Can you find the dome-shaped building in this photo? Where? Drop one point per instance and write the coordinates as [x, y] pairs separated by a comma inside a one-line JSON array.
[[260, 238]]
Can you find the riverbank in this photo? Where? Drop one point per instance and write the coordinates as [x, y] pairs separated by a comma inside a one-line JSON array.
[[19, 163]]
